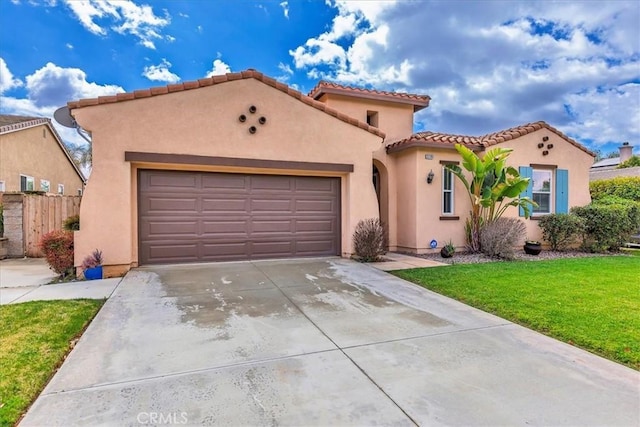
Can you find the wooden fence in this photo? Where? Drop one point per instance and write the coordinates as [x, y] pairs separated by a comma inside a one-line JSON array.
[[31, 216]]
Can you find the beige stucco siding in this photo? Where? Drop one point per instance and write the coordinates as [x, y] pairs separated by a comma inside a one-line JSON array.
[[394, 119], [204, 122], [34, 152]]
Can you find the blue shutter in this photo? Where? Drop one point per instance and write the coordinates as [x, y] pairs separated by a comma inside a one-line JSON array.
[[562, 191], [526, 172]]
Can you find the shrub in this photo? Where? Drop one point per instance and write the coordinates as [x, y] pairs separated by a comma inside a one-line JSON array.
[[498, 238], [369, 240], [93, 260], [609, 222], [72, 223], [631, 162], [561, 230], [58, 250], [627, 187]]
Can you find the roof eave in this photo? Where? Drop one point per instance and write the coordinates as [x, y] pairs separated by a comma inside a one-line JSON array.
[[391, 149], [417, 103]]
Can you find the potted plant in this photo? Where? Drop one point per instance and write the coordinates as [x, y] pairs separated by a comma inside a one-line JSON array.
[[92, 265], [532, 247], [448, 250]]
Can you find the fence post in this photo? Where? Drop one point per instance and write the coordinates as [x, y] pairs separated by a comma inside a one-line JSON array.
[[14, 223]]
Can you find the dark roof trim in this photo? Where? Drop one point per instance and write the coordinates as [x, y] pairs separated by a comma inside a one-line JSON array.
[[188, 159], [421, 144]]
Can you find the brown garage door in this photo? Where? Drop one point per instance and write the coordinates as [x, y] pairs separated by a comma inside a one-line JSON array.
[[193, 216]]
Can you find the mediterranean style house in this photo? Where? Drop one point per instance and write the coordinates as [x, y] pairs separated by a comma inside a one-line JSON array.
[[241, 166], [33, 158]]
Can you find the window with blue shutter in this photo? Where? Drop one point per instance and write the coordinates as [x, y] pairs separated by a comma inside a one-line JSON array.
[[526, 172], [562, 191]]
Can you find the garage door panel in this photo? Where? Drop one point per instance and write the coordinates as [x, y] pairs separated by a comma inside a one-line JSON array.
[[240, 228], [271, 183], [318, 226], [165, 205], [315, 206], [163, 229], [237, 204], [223, 182], [271, 205], [261, 227], [199, 216], [170, 181]]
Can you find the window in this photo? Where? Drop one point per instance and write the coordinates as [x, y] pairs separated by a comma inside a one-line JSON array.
[[2, 187], [372, 118], [542, 190], [60, 188], [447, 191], [26, 183], [44, 185]]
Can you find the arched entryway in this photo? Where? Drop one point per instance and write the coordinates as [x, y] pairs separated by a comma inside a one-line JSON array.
[[381, 185]]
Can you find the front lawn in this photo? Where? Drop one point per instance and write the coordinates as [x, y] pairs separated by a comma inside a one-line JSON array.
[[593, 303], [35, 337]]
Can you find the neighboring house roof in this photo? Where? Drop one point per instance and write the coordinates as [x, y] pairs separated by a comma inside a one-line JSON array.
[[418, 101], [9, 123], [210, 81], [476, 143], [606, 163]]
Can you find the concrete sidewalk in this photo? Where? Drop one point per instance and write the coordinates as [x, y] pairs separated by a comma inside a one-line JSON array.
[[25, 279]]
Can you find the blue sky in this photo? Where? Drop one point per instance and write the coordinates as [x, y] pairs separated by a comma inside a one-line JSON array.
[[487, 65]]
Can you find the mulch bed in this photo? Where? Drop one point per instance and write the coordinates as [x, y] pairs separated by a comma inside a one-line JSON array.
[[471, 258]]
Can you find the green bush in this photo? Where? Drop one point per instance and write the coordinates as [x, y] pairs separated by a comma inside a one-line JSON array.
[[609, 222], [631, 162], [561, 230], [627, 187], [72, 223]]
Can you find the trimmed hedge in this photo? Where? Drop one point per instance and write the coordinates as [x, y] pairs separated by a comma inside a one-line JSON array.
[[561, 230], [627, 187], [609, 222]]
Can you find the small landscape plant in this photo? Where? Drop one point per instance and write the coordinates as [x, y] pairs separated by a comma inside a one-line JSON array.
[[92, 261], [58, 251], [561, 230], [72, 223], [448, 250], [498, 238], [369, 240]]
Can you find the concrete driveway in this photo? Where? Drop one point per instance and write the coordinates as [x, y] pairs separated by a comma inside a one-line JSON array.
[[319, 342]]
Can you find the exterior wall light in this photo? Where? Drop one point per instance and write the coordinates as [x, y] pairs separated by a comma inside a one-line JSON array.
[[430, 177]]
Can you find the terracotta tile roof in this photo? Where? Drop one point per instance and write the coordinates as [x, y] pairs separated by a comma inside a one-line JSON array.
[[418, 101], [12, 123], [436, 139], [15, 123], [209, 81]]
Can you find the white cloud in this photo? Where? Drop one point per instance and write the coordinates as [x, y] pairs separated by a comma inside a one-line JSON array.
[[160, 72], [219, 68], [7, 80], [285, 8], [125, 17], [492, 65], [69, 46], [52, 87]]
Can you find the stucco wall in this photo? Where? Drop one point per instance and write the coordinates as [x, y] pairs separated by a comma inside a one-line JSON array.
[[35, 152], [395, 120], [205, 122], [415, 231]]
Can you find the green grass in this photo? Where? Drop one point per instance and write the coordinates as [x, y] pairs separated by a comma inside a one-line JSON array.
[[593, 303], [35, 337]]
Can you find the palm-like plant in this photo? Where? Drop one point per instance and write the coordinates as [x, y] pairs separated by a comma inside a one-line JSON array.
[[493, 187]]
